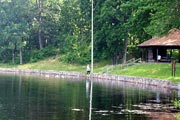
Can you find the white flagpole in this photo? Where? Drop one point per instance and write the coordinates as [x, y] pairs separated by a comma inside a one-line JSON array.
[[92, 42]]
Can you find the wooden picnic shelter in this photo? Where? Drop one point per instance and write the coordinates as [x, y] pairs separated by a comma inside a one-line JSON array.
[[161, 48]]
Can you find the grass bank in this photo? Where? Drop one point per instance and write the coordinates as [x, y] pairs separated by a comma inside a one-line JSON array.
[[151, 70], [53, 64], [158, 71]]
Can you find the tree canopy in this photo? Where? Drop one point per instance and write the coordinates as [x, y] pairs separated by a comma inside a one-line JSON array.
[[31, 30]]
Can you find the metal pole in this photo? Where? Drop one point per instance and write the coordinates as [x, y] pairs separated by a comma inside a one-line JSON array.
[[92, 42], [157, 52], [92, 37]]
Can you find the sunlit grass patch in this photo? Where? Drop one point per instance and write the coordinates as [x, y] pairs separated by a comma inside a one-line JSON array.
[[52, 64], [151, 70]]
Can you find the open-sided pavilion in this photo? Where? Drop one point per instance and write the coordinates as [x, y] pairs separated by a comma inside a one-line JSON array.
[[161, 48]]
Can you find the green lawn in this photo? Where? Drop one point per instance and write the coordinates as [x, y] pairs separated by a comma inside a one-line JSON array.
[[53, 64], [151, 70]]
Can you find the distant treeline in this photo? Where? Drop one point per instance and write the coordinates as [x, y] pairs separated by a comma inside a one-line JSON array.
[[31, 30]]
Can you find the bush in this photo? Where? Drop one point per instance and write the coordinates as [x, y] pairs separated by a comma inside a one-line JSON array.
[[72, 57], [176, 104], [133, 52], [178, 116], [37, 55]]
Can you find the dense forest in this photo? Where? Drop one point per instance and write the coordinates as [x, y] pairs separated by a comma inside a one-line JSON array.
[[31, 30]]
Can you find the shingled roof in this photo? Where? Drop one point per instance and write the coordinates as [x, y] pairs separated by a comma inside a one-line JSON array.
[[170, 40]]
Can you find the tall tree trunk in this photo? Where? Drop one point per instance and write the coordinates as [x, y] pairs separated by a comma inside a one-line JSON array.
[[20, 55], [14, 54], [40, 23], [115, 59], [13, 59], [125, 50]]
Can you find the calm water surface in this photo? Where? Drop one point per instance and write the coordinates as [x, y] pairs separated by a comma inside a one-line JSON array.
[[33, 98]]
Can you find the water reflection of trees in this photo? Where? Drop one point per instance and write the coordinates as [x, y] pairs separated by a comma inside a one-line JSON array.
[[37, 99], [124, 95], [40, 98]]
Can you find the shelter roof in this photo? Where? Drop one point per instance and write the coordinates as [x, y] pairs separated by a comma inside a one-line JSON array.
[[170, 40]]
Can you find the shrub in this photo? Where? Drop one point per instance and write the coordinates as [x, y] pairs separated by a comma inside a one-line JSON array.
[[178, 116], [176, 104], [37, 55], [72, 57]]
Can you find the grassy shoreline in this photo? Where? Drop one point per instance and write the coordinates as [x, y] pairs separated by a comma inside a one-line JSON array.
[[149, 70]]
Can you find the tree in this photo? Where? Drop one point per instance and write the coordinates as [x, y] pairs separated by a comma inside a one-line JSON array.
[[39, 4], [74, 38], [15, 27], [110, 30], [41, 28]]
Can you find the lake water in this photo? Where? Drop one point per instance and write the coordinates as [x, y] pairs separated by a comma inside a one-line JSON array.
[[33, 98]]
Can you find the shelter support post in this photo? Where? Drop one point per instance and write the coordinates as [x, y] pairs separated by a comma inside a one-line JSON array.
[[146, 55], [173, 68], [157, 52]]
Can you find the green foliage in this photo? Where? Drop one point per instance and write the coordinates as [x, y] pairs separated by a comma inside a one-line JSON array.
[[37, 55], [66, 27], [5, 56], [178, 116], [109, 29], [176, 104], [133, 52], [75, 57], [175, 55], [158, 71]]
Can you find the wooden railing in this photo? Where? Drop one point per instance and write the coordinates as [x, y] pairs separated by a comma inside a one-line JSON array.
[[131, 62], [110, 68]]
